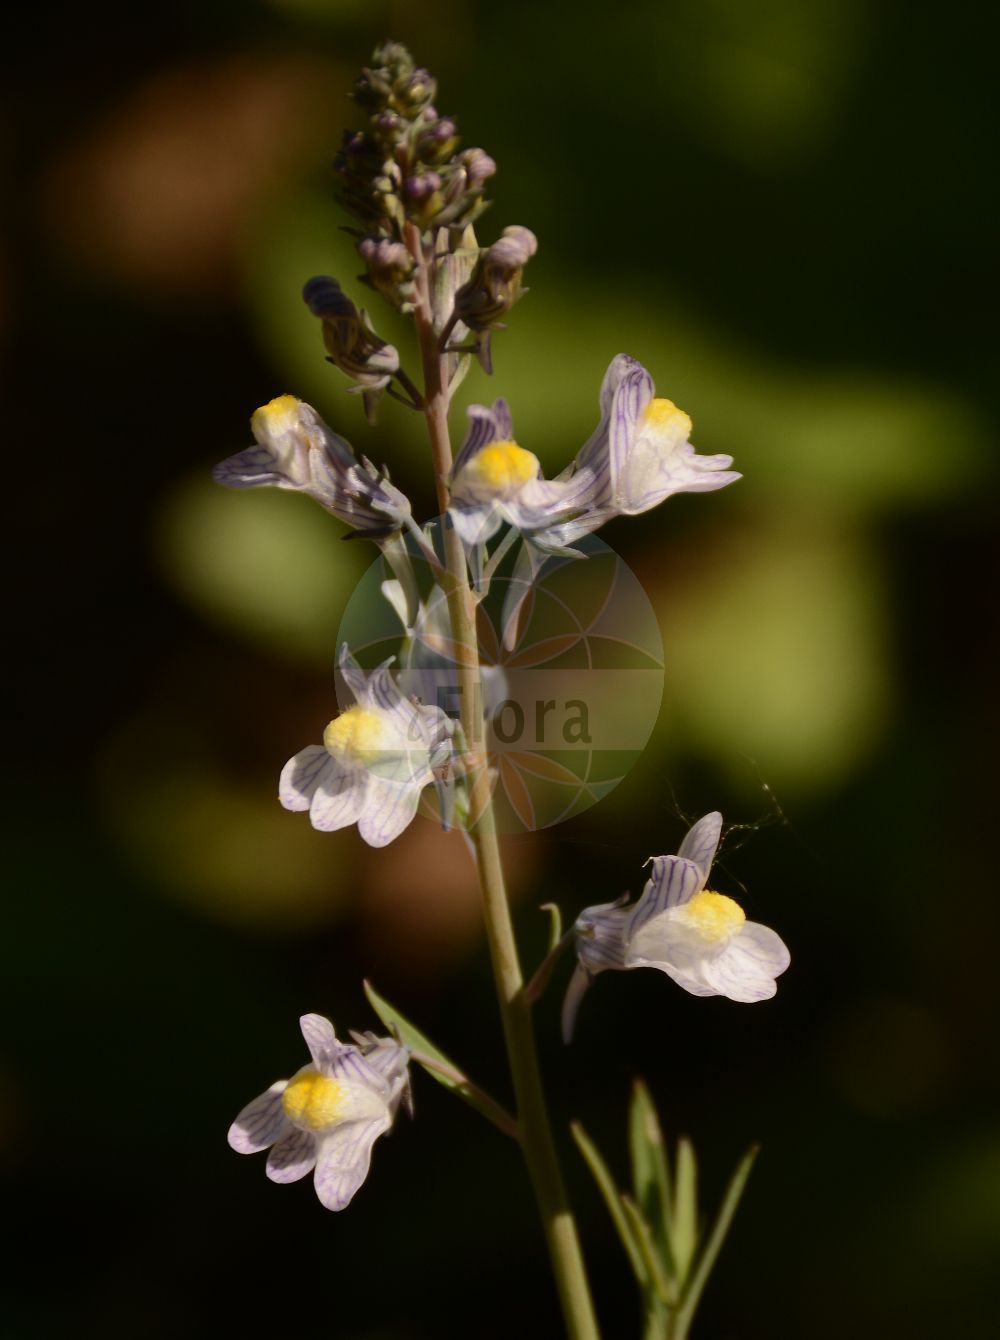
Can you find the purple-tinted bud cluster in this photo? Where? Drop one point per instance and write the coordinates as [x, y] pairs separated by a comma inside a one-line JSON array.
[[405, 167]]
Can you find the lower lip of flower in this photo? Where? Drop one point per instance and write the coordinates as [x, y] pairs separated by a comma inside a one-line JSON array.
[[714, 916], [311, 1101], [355, 735], [501, 467]]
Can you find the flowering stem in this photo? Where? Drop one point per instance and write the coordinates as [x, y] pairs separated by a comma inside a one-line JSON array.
[[532, 1114]]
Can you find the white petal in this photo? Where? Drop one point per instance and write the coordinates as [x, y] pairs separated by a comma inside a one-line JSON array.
[[632, 394], [261, 1122], [344, 1159], [673, 947], [674, 881], [292, 1157], [301, 775], [338, 798], [702, 841], [320, 1039], [746, 968], [389, 807], [476, 524]]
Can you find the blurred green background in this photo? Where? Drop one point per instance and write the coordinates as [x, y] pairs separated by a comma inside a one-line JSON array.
[[784, 211]]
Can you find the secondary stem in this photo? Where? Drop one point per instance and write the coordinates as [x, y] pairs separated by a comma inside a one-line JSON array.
[[533, 1121]]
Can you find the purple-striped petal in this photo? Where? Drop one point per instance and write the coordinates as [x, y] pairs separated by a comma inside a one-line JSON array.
[[632, 395], [746, 968], [320, 1039], [702, 842], [337, 799], [250, 468], [389, 807], [673, 882], [486, 425], [344, 1159], [292, 1157], [261, 1122], [302, 774]]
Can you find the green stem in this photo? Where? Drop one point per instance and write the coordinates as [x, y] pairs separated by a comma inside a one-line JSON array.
[[532, 1114]]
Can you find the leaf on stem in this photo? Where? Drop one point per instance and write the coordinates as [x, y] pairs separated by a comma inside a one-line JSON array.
[[699, 1277], [650, 1171], [613, 1200], [434, 1061], [685, 1215]]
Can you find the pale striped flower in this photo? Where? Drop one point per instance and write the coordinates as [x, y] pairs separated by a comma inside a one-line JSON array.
[[638, 455], [699, 938], [329, 1114], [296, 450], [375, 760], [494, 481]]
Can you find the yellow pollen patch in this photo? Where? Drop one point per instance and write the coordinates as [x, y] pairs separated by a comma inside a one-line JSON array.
[[714, 915], [312, 1101], [502, 466], [663, 415], [355, 733], [270, 415]]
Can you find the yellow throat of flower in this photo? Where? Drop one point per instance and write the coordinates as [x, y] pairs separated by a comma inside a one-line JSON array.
[[355, 735], [714, 915], [312, 1101], [279, 413], [502, 467], [663, 416]]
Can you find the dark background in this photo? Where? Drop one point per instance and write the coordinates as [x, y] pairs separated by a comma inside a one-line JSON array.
[[784, 211]]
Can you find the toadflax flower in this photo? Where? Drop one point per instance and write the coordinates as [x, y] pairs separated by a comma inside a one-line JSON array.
[[329, 1114], [638, 456], [699, 938], [495, 481], [375, 760], [296, 450]]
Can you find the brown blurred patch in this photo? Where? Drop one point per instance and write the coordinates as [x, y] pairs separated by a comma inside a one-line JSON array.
[[420, 906], [158, 192]]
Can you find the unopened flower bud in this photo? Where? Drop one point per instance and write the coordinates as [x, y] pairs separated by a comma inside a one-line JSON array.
[[479, 167], [415, 93], [390, 268], [439, 141], [420, 187], [350, 342], [496, 282]]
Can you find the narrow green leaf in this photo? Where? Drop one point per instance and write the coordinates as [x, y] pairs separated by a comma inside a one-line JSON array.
[[438, 1065], [685, 1216], [658, 1277], [699, 1278], [613, 1201], [650, 1173]]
